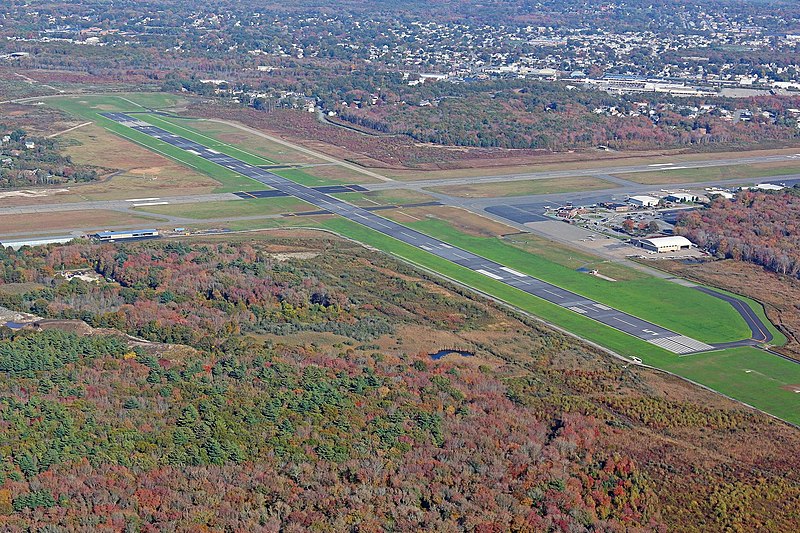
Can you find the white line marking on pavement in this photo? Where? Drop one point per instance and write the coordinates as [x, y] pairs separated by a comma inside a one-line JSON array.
[[514, 272], [487, 273]]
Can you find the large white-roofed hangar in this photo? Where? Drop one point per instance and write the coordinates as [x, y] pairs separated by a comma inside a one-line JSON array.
[[665, 244]]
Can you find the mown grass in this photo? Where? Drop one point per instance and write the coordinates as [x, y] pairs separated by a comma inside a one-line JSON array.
[[747, 374], [388, 197], [667, 304]]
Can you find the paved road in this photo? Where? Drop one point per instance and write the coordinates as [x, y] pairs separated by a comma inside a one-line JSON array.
[[614, 318]]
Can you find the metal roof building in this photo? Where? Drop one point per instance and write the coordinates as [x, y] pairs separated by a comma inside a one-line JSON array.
[[665, 244], [16, 245], [642, 200]]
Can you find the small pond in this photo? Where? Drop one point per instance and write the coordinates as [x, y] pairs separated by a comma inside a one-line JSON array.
[[441, 353]]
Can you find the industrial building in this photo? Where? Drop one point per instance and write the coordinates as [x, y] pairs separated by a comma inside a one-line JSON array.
[[665, 244], [16, 245], [643, 201], [682, 197], [112, 236]]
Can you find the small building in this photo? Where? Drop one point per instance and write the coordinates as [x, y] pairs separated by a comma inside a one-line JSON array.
[[725, 194], [768, 187], [665, 244], [682, 197], [643, 201], [616, 206]]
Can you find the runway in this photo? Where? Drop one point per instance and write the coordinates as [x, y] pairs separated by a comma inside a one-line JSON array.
[[576, 303]]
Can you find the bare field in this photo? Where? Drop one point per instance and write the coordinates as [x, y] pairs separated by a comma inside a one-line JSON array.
[[248, 142], [143, 171], [522, 188], [49, 223], [461, 219], [689, 175]]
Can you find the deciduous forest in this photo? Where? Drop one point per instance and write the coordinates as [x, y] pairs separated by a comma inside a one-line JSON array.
[[757, 227], [243, 385]]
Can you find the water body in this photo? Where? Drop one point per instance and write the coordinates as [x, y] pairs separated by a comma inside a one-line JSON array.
[[16, 325], [441, 353]]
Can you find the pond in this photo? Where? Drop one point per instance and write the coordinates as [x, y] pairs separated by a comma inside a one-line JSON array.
[[441, 353]]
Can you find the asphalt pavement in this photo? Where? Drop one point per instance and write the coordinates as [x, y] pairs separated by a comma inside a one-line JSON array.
[[576, 303]]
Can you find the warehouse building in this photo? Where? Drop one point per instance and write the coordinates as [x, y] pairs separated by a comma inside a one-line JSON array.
[[665, 244], [134, 235], [643, 201], [16, 245], [682, 197]]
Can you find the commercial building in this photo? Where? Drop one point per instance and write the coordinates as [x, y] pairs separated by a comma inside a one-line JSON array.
[[643, 201], [112, 236], [665, 244]]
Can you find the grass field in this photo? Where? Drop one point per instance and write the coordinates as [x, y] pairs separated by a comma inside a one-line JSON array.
[[89, 107], [730, 172], [259, 146], [98, 219], [767, 385], [673, 306], [763, 380], [387, 197], [572, 258], [234, 208], [304, 178], [144, 172], [525, 187]]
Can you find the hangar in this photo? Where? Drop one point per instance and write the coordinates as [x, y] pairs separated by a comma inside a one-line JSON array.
[[643, 201], [111, 236], [665, 244]]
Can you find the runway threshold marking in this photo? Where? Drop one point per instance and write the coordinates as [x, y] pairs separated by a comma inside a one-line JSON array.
[[489, 274], [513, 272]]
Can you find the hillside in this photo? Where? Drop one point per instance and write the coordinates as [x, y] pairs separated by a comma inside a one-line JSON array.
[[283, 382]]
